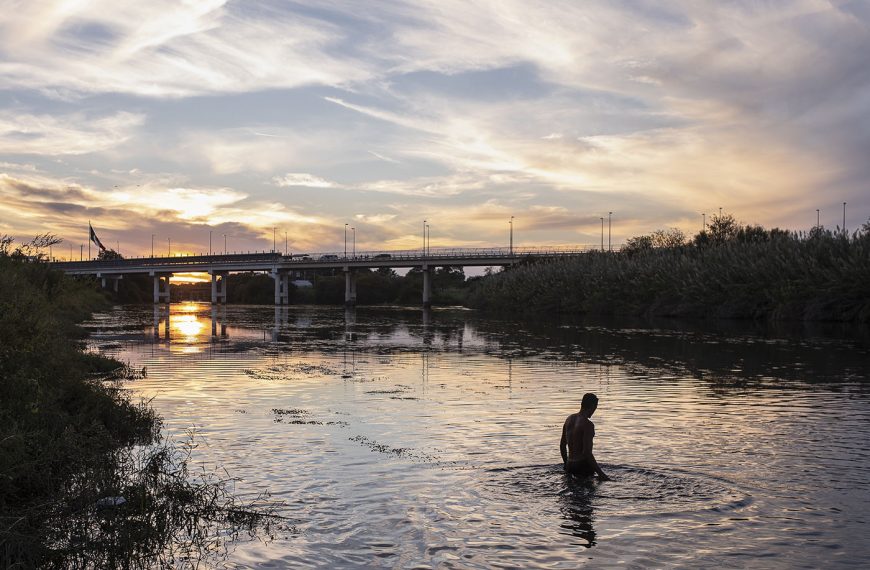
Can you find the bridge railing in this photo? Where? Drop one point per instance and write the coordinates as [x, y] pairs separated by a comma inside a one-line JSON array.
[[260, 258]]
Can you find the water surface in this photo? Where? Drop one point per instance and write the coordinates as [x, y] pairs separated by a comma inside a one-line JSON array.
[[398, 438]]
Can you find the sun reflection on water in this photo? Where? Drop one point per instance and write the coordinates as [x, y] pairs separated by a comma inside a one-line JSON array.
[[187, 328]]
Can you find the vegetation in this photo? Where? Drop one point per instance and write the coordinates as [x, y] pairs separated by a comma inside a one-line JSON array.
[[66, 431], [729, 270]]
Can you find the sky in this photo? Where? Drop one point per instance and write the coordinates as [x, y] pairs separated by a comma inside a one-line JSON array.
[[181, 119]]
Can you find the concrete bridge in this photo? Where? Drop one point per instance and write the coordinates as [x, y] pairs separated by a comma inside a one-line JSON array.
[[280, 266]]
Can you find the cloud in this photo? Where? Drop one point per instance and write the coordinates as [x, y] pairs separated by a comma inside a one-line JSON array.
[[559, 111], [58, 135], [167, 49], [303, 179]]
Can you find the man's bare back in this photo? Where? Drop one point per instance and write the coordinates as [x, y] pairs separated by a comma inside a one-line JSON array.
[[577, 440]]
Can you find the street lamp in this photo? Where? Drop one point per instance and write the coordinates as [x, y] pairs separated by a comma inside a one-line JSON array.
[[345, 241], [817, 217], [428, 239], [609, 227], [602, 233], [353, 231], [152, 245], [511, 223], [424, 238], [209, 242], [169, 247], [285, 243], [273, 240], [225, 244]]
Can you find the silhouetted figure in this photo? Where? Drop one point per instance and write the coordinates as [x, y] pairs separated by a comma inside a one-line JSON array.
[[576, 444]]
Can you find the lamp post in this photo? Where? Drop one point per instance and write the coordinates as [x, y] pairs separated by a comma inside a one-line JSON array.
[[424, 238], [169, 247], [82, 252], [609, 227], [225, 244], [353, 232], [844, 217], [817, 217], [209, 242], [511, 223], [345, 241], [285, 243], [602, 233], [273, 240], [152, 245]]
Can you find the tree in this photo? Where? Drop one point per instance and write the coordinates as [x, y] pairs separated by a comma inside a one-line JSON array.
[[108, 254], [722, 228], [638, 243], [671, 237]]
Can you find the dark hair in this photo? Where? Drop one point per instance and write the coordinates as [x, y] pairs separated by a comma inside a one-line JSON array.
[[590, 400]]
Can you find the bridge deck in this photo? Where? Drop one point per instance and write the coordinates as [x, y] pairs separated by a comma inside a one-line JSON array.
[[269, 261]]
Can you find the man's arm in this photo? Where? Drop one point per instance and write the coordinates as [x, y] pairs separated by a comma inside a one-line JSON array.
[[563, 444], [588, 435]]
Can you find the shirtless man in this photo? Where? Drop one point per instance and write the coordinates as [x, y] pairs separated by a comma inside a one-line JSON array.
[[576, 444]]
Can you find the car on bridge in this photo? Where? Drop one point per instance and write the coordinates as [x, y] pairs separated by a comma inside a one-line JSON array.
[[383, 256], [329, 257]]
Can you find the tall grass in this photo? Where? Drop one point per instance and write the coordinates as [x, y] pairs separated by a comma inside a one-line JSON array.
[[67, 431], [752, 273]]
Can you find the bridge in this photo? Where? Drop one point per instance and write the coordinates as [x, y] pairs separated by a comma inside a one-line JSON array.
[[280, 266]]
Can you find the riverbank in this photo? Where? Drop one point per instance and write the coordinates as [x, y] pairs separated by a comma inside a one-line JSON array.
[[744, 273], [73, 493]]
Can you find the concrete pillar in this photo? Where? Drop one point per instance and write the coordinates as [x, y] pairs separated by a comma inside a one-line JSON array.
[[276, 277], [161, 287], [349, 288], [218, 287], [115, 284], [427, 287], [103, 282], [282, 287], [213, 297]]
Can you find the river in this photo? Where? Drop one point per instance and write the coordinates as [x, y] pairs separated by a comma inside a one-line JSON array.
[[402, 439]]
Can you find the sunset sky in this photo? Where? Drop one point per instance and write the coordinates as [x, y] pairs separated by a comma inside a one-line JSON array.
[[176, 118]]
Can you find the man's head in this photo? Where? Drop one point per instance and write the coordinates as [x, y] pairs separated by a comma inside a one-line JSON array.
[[589, 403]]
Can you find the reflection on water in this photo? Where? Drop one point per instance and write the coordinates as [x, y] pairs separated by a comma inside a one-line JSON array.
[[407, 438]]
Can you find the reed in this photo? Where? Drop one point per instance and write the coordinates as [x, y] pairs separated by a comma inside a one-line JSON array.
[[745, 272]]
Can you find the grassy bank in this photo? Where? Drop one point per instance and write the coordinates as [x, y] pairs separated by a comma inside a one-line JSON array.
[[729, 271], [66, 434]]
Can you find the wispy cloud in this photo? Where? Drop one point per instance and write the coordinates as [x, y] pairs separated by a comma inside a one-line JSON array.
[[303, 179], [55, 135], [167, 49]]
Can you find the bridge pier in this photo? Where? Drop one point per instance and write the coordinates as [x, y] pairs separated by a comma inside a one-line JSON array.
[[349, 288], [427, 287], [104, 280], [282, 287], [161, 286], [218, 287]]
